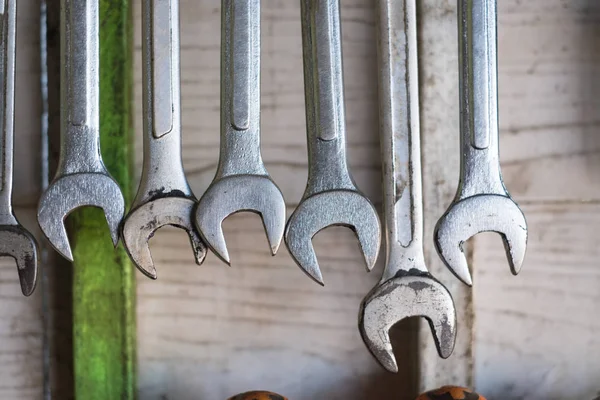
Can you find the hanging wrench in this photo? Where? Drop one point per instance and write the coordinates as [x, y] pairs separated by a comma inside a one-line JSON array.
[[81, 179], [164, 196], [242, 182], [15, 241], [482, 202], [406, 288], [331, 196]]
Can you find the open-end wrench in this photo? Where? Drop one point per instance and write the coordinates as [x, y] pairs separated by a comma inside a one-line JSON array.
[[331, 196], [81, 179], [164, 196], [15, 241], [406, 288], [482, 202], [242, 182]]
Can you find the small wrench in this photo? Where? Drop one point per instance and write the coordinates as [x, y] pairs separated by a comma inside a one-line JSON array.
[[242, 182], [164, 196], [331, 196], [406, 288], [81, 178], [482, 202], [15, 240]]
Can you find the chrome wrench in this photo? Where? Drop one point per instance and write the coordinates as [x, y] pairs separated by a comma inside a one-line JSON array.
[[242, 182], [406, 288], [15, 240], [331, 196], [482, 202], [81, 179], [164, 196]]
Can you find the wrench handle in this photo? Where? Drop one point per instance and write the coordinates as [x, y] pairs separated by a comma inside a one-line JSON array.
[[240, 89], [164, 35], [324, 96], [400, 135], [480, 171], [8, 24], [80, 136], [82, 85], [162, 170]]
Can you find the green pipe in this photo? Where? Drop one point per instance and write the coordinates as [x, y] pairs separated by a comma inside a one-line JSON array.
[[104, 330]]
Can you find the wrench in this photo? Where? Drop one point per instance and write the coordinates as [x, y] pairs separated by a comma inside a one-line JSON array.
[[15, 240], [81, 178], [406, 288], [242, 182], [331, 196], [482, 202], [164, 196]]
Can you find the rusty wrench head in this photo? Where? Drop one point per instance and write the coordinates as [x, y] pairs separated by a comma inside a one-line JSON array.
[[164, 196], [81, 179], [406, 288], [242, 182], [15, 241], [331, 196], [482, 203]]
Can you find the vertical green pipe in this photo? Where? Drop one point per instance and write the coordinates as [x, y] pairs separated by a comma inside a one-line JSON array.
[[103, 278]]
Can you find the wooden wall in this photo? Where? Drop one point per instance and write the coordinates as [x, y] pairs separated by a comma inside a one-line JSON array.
[[208, 332]]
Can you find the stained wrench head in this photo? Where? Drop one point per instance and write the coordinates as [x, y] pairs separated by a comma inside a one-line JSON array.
[[231, 194], [18, 243], [142, 222], [482, 213], [337, 207], [70, 192], [403, 297]]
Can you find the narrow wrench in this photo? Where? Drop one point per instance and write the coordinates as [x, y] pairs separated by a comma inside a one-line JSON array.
[[164, 196], [242, 182], [482, 202], [406, 288], [81, 179], [331, 196], [15, 240]]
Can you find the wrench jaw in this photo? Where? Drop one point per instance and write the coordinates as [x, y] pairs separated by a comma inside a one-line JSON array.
[[70, 192], [404, 297], [333, 208], [18, 243], [142, 222], [476, 214], [236, 193]]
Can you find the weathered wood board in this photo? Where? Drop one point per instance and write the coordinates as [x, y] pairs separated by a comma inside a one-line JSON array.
[[208, 332]]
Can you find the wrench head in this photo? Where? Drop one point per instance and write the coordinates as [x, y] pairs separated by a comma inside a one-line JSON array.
[[18, 243], [232, 194], [70, 192], [481, 213], [142, 222], [401, 297], [347, 208]]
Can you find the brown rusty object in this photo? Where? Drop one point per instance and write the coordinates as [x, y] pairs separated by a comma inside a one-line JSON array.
[[258, 395], [451, 393]]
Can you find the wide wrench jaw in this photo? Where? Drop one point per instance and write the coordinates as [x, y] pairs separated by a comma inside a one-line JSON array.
[[476, 214], [403, 297], [70, 192], [142, 222], [337, 207], [18, 243], [237, 193]]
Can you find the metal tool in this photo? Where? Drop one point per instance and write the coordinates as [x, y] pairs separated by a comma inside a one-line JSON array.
[[15, 240], [164, 196], [81, 179], [331, 196], [406, 288], [242, 182], [482, 202]]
